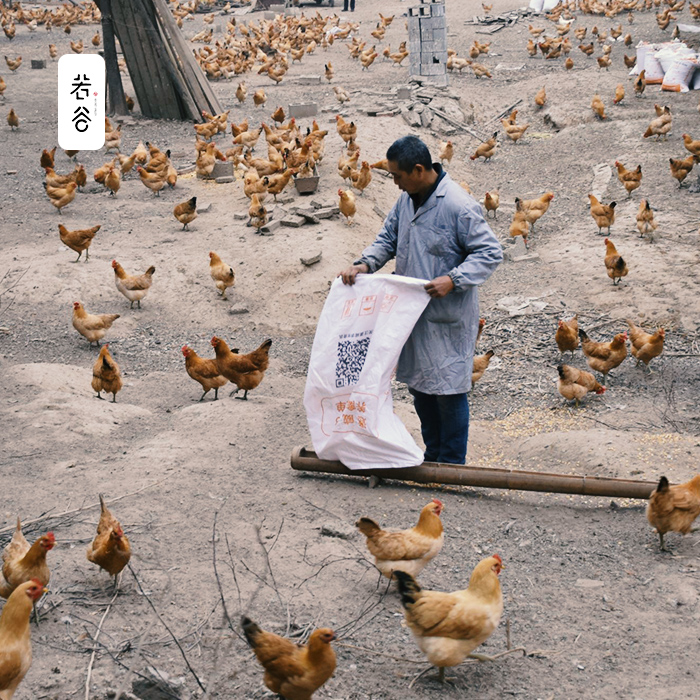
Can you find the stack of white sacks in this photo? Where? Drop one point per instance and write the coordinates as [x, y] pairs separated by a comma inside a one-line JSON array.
[[673, 65]]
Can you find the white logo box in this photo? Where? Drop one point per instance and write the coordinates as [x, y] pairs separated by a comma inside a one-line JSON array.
[[81, 102]]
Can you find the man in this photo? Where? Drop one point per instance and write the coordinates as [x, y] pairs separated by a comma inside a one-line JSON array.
[[436, 231], [345, 5]]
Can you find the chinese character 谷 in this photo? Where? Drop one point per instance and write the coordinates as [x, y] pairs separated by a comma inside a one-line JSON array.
[[81, 119]]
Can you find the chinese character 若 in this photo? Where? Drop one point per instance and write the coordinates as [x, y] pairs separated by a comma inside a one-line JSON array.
[[81, 86]]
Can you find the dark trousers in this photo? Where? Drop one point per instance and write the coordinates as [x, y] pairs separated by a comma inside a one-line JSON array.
[[345, 5], [444, 424]]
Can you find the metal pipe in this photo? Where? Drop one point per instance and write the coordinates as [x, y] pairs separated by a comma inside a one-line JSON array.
[[437, 473]]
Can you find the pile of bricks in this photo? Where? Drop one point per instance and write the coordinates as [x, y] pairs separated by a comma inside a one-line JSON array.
[[427, 42]]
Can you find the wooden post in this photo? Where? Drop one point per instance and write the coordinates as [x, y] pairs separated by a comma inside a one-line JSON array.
[[115, 90]]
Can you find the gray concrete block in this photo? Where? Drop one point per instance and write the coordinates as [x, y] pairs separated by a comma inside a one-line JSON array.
[[270, 227], [327, 212], [225, 179], [309, 80], [403, 93], [240, 216], [379, 212], [299, 111], [293, 221], [285, 198], [38, 64], [222, 169]]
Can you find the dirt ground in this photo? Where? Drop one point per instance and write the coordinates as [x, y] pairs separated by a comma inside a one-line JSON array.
[[600, 611]]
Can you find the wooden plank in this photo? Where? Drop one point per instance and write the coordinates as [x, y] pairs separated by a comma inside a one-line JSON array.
[[133, 56], [196, 77], [183, 104], [168, 106]]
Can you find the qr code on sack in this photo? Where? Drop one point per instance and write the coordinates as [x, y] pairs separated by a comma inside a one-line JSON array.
[[351, 360]]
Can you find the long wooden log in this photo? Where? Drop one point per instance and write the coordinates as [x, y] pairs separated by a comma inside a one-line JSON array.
[[458, 475]]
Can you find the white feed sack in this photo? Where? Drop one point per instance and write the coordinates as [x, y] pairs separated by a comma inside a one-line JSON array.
[[680, 74], [348, 399]]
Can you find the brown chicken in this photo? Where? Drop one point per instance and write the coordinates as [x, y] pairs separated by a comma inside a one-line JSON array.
[[640, 83], [446, 152], [575, 383], [61, 196], [491, 202], [598, 107], [534, 209], [106, 375], [603, 214], [186, 212], [47, 157], [110, 549], [674, 508], [514, 131], [569, 64], [691, 145], [15, 639], [681, 168], [405, 550], [278, 181], [447, 627], [566, 336], [361, 178], [347, 206], [293, 671], [646, 346], [614, 263], [646, 225], [630, 179], [541, 98], [91, 326], [22, 562], [204, 371], [13, 120], [154, 181], [603, 357], [661, 125], [619, 94], [222, 274], [78, 240], [13, 63], [480, 365], [347, 131], [257, 212], [245, 371], [486, 149], [113, 179], [133, 287], [519, 225]]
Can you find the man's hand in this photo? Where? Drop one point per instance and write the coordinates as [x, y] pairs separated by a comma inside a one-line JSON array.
[[350, 273], [439, 287]]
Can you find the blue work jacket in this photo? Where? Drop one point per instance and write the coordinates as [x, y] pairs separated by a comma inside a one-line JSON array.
[[447, 235]]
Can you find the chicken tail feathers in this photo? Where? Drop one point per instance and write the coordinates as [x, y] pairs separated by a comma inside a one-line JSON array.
[[582, 334], [408, 588], [367, 527], [663, 485], [103, 507], [250, 630]]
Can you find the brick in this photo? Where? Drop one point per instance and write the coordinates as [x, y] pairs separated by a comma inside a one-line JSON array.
[[327, 212], [299, 111], [225, 179], [293, 221], [403, 93], [38, 63], [285, 198], [270, 227], [240, 216], [308, 80], [222, 169]]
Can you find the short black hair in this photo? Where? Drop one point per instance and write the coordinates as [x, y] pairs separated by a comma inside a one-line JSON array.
[[409, 151]]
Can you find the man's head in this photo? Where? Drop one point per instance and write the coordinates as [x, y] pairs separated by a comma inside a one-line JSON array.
[[410, 164]]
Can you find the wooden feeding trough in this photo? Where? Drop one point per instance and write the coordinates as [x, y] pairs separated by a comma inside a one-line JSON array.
[[307, 185]]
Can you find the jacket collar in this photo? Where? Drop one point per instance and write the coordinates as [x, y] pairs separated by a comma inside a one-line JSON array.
[[431, 202]]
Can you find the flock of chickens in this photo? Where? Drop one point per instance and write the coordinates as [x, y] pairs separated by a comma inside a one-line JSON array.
[[446, 626]]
